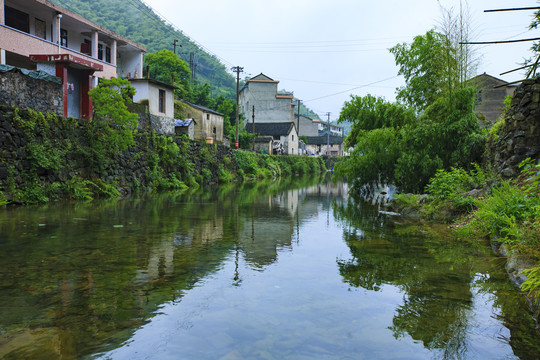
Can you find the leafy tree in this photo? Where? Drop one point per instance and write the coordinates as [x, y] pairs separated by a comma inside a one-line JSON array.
[[165, 66], [370, 112], [112, 127], [426, 64], [406, 151]]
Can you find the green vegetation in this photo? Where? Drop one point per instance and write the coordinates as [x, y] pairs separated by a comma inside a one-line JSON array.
[[507, 212], [253, 165], [393, 145]]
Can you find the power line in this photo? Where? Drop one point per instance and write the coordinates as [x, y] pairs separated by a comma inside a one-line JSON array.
[[358, 87], [514, 9]]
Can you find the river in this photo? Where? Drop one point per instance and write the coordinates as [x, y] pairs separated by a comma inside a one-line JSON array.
[[286, 270]]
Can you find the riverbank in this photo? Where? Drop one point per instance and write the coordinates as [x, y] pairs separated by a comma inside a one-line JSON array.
[[483, 208], [44, 157]]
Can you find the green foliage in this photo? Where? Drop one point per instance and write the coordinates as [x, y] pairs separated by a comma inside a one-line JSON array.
[[45, 155], [255, 165], [407, 153], [530, 171], [532, 284], [500, 214], [247, 161], [78, 189], [165, 66], [370, 112], [373, 158], [447, 188], [224, 176], [426, 65], [113, 127]]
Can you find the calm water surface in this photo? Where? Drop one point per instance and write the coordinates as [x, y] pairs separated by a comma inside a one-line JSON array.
[[280, 271]]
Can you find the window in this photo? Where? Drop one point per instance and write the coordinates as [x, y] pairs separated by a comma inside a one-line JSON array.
[[292, 137], [63, 37], [86, 47], [108, 54], [40, 29], [207, 116], [17, 19], [100, 51], [161, 101]]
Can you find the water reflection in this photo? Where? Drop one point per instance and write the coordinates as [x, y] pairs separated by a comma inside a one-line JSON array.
[[440, 279], [74, 277], [257, 266]]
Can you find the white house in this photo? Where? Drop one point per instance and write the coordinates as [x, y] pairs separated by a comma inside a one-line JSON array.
[[284, 132], [159, 97], [260, 97]]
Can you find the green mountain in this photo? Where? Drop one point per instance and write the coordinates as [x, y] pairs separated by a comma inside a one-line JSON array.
[[134, 20]]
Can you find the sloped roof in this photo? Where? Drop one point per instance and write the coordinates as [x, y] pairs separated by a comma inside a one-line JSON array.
[[202, 108], [271, 129], [155, 82], [486, 81], [323, 140], [262, 77]]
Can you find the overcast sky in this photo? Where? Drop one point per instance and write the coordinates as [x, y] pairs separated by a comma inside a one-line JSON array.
[[324, 51]]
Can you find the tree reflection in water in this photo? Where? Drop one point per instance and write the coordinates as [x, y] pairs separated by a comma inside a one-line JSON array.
[[438, 276]]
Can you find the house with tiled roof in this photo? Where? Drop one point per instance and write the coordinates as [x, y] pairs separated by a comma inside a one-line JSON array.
[[330, 145], [283, 133], [259, 97], [40, 35], [490, 95], [208, 122]]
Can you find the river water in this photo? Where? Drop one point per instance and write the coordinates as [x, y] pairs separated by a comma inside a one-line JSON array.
[[287, 270]]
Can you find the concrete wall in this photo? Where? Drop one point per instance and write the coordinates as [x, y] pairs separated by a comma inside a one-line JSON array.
[[205, 122], [268, 108], [17, 89], [307, 127], [290, 142], [26, 45], [149, 92]]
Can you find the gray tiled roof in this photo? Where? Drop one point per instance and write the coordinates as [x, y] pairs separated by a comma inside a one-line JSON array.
[[271, 129]]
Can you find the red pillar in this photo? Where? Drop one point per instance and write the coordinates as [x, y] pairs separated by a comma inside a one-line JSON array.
[[61, 72]]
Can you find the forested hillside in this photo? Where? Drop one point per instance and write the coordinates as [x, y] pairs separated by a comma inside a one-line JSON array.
[[137, 22]]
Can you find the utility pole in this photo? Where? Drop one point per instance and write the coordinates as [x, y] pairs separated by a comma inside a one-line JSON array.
[[298, 125], [237, 70], [328, 136], [174, 46], [253, 127]]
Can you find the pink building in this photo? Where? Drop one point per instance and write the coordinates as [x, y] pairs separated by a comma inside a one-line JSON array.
[[39, 35]]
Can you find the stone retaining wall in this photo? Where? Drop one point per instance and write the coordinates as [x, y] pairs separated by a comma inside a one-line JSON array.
[[519, 137], [125, 170], [23, 91]]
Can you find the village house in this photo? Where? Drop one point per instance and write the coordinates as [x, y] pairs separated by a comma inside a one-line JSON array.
[[208, 124], [306, 126], [284, 135], [260, 97], [324, 127], [157, 99], [490, 96], [325, 145], [40, 35]]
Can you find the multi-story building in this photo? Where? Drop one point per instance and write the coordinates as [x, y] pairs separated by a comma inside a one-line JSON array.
[[40, 35], [260, 96]]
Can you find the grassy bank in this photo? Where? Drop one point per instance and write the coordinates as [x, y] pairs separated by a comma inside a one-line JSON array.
[[505, 212], [258, 166]]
